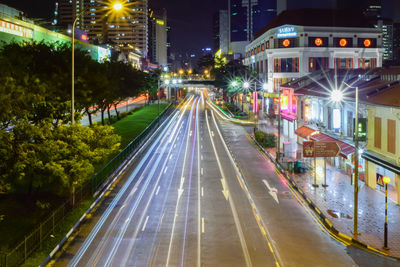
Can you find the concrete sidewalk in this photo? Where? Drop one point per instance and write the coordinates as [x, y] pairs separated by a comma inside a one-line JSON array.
[[336, 202]]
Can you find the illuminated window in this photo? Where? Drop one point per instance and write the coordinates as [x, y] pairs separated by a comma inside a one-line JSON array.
[[318, 42], [286, 42]]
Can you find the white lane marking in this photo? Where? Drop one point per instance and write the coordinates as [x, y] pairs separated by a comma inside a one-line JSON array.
[[212, 133], [127, 220], [166, 168], [225, 191], [231, 204], [272, 191], [123, 206], [170, 157], [174, 145], [158, 189], [239, 176], [201, 157], [202, 225], [202, 191], [180, 191], [190, 133], [201, 171], [145, 223]]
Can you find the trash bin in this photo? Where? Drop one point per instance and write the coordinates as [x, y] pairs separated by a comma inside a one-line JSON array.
[[290, 166]]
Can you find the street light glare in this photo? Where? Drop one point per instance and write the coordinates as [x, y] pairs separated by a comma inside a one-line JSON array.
[[337, 95], [234, 83], [117, 6], [265, 86], [246, 85]]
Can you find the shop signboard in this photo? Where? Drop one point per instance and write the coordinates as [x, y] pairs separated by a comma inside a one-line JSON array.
[[320, 149], [379, 179]]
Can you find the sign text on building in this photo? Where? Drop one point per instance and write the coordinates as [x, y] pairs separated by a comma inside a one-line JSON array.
[[15, 29], [286, 31]]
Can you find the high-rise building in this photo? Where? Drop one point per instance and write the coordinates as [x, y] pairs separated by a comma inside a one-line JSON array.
[[127, 30], [221, 31], [246, 18], [158, 41], [372, 9]]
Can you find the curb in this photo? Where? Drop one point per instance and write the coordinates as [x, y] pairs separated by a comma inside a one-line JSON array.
[[324, 220], [102, 191]]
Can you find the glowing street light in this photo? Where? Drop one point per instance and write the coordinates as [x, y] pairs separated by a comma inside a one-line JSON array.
[[265, 86], [234, 83], [337, 95], [246, 85], [117, 6]]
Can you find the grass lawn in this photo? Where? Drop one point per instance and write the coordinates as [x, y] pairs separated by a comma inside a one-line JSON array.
[[131, 126], [20, 215]]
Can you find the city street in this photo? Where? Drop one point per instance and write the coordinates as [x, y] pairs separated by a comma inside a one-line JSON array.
[[183, 202]]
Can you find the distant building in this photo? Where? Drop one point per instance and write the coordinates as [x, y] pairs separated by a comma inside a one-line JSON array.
[[246, 18], [158, 39], [129, 31]]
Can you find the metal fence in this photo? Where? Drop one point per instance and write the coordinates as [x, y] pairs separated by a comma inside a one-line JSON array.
[[49, 226]]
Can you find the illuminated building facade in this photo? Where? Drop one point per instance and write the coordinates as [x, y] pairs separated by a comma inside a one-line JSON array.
[[300, 42], [158, 36], [128, 30]]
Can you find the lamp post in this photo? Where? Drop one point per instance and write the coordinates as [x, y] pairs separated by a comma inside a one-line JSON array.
[[246, 85], [356, 173], [116, 7], [386, 180], [337, 96], [278, 150]]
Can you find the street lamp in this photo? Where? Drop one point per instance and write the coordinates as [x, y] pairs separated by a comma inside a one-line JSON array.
[[116, 7], [337, 96], [386, 180]]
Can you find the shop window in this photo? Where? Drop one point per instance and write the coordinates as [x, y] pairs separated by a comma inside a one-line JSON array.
[[377, 132], [318, 63], [391, 136], [286, 64], [343, 63], [367, 63]]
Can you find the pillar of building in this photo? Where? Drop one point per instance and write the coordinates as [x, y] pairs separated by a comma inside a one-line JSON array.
[[397, 184], [370, 174]]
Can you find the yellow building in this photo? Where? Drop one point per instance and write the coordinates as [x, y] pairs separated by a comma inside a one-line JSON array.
[[382, 157]]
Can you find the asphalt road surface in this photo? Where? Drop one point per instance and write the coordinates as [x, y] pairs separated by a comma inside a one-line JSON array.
[[184, 202]]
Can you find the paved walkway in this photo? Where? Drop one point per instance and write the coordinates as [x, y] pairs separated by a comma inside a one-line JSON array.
[[336, 202]]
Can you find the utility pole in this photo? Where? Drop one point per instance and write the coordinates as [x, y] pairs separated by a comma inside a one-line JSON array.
[[278, 150], [356, 170]]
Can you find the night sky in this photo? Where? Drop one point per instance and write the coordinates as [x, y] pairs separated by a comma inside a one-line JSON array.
[[191, 20]]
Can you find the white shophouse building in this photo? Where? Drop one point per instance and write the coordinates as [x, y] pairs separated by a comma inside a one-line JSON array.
[[299, 42]]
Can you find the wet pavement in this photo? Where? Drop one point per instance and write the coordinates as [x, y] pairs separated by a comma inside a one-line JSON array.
[[337, 200]]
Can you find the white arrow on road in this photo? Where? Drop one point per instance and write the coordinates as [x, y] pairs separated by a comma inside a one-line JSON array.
[[180, 190], [272, 191], [225, 192]]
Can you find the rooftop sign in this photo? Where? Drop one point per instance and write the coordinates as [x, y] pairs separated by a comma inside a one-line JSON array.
[[15, 29], [286, 31]]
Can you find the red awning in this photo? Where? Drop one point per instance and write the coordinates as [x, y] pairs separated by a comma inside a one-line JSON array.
[[304, 131], [346, 148], [288, 117]]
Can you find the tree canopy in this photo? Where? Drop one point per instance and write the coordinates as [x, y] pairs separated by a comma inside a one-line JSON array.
[[40, 150]]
